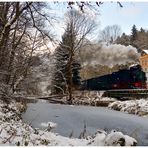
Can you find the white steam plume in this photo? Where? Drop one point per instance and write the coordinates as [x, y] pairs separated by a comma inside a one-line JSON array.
[[111, 54]]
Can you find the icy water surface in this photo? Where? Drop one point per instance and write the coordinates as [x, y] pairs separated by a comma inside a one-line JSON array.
[[72, 118]]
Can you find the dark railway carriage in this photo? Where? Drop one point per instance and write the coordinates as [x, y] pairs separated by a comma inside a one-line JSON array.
[[133, 78]]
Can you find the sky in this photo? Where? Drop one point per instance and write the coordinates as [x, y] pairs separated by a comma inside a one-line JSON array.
[[131, 13], [110, 13]]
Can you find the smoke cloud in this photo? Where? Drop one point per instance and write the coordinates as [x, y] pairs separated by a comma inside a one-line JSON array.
[[110, 55]]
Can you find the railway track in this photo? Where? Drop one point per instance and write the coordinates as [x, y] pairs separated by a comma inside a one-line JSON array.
[[126, 94], [120, 94]]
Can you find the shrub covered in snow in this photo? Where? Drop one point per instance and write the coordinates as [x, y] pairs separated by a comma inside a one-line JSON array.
[[114, 138], [138, 107]]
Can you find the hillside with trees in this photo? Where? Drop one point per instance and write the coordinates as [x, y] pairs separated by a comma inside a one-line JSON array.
[[137, 38]]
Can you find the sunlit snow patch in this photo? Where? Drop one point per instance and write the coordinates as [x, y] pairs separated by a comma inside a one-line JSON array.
[[51, 124]]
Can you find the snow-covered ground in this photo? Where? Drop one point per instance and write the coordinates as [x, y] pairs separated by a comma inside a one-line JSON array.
[[138, 107], [13, 131]]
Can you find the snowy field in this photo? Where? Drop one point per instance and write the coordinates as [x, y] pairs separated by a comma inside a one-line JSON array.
[[13, 131], [137, 107]]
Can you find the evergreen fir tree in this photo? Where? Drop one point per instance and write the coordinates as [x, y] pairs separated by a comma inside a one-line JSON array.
[[59, 71], [62, 55], [134, 33], [142, 30]]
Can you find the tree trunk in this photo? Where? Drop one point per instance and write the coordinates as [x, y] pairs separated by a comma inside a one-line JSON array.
[[3, 44], [70, 97]]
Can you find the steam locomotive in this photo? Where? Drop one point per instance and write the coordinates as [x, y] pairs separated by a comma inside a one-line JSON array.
[[132, 78]]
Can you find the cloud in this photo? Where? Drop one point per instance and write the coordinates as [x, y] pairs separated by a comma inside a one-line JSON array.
[[131, 11]]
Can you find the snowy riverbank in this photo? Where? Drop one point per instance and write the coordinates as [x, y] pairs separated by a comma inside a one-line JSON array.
[[137, 107], [13, 131]]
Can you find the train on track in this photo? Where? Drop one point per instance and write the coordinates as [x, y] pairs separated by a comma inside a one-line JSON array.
[[131, 78]]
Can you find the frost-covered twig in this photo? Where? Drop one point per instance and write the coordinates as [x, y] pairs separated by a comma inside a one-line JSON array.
[[12, 135]]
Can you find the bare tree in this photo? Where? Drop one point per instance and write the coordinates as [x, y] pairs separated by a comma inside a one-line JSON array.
[[78, 26], [23, 29], [110, 33]]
